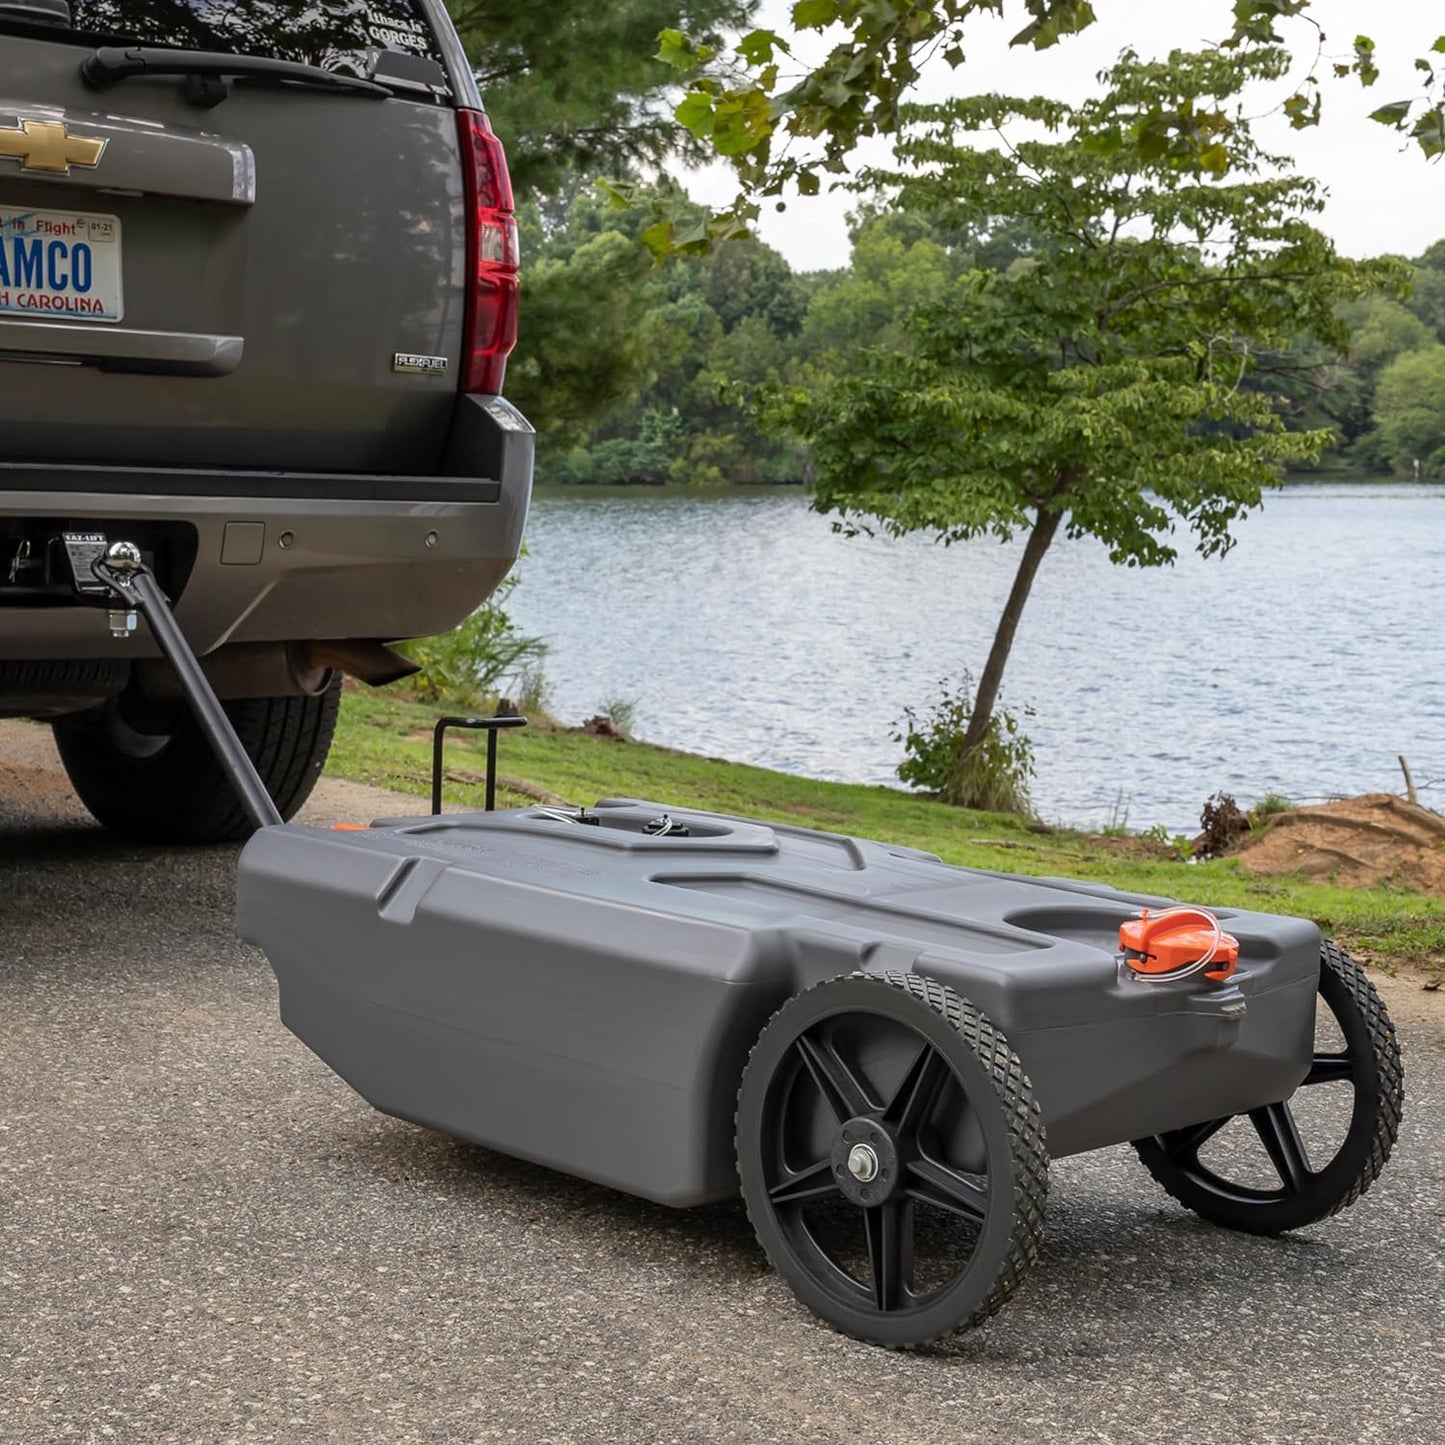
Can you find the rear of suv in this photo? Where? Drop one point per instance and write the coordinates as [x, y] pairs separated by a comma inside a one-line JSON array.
[[258, 283]]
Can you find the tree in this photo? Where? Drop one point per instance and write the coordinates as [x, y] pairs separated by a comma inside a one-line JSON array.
[[584, 348], [749, 279], [1094, 388], [1427, 291], [571, 87], [1410, 410], [898, 264]]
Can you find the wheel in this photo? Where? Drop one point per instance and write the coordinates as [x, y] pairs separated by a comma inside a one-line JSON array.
[[40, 689], [892, 1157], [1255, 1171], [167, 787]]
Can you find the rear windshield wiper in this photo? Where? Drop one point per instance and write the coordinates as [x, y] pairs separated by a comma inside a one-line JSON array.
[[209, 73]]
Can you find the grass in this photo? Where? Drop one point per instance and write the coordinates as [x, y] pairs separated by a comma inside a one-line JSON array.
[[385, 740]]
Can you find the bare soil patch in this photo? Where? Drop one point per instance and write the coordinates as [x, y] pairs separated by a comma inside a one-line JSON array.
[[1359, 842]]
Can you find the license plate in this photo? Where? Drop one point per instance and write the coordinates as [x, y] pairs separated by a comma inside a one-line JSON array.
[[60, 265]]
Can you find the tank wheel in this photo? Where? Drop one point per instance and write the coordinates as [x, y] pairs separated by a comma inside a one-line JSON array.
[[1367, 1072], [892, 1157]]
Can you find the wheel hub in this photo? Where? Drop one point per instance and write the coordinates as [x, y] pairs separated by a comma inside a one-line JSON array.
[[865, 1162]]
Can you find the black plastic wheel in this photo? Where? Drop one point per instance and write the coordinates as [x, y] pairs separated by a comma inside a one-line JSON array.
[[167, 787], [1349, 1103], [892, 1157]]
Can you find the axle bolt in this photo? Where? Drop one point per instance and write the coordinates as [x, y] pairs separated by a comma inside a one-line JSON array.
[[862, 1163]]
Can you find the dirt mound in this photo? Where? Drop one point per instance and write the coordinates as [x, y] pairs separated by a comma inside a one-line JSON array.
[[1371, 839]]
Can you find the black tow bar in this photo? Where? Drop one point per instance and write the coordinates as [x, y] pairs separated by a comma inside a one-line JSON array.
[[124, 573]]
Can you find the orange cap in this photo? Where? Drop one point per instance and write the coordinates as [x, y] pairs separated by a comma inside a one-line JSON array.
[[1172, 940]]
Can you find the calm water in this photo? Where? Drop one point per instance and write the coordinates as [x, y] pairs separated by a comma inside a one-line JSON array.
[[742, 627]]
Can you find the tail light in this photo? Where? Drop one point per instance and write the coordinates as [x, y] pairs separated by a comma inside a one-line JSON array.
[[491, 314]]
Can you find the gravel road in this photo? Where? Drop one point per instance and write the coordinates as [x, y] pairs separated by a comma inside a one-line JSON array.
[[205, 1236]]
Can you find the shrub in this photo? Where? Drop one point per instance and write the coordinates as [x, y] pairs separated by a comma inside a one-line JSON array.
[[994, 777], [621, 712], [470, 663]]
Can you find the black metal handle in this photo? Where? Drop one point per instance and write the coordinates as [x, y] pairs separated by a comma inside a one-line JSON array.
[[489, 725]]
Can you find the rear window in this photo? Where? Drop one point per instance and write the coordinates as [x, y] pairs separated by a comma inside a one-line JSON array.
[[344, 35]]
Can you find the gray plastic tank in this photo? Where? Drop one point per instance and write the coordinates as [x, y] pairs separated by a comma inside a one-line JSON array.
[[584, 989], [879, 1050]]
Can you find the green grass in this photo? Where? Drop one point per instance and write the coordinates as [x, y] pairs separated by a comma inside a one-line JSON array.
[[385, 740]]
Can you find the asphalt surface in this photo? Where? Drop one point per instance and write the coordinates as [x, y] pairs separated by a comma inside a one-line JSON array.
[[206, 1236]]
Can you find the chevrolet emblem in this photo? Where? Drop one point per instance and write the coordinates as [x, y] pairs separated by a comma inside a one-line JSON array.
[[45, 146]]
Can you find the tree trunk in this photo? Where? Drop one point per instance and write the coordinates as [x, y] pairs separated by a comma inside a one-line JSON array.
[[1045, 525]]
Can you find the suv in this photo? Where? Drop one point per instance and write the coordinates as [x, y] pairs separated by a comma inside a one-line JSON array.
[[258, 284]]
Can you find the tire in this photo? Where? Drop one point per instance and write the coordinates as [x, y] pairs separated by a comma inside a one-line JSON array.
[[169, 788], [43, 689], [1370, 1063], [898, 1075]]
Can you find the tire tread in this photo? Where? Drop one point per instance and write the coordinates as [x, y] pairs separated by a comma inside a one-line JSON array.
[[1385, 1125], [1027, 1140]]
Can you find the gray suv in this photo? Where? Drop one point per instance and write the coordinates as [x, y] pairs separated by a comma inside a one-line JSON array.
[[258, 284]]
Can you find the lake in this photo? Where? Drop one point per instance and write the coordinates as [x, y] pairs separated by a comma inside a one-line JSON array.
[[739, 625]]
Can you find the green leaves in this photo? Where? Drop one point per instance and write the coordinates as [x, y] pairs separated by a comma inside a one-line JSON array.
[[574, 87], [1364, 65], [1393, 113], [1303, 108], [1428, 131], [1254, 20], [694, 112], [758, 47], [676, 50], [778, 130], [1054, 19], [815, 14]]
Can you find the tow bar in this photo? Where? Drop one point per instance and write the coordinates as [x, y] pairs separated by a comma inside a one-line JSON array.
[[123, 572]]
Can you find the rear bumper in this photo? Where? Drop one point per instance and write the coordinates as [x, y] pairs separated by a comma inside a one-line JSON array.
[[283, 557]]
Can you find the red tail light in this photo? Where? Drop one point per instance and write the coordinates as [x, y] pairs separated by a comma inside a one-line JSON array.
[[491, 315]]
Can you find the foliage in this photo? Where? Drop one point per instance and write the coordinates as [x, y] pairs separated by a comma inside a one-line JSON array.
[[900, 262], [470, 663], [650, 374], [571, 87], [782, 125], [1095, 387], [1267, 807], [636, 373], [1410, 410], [584, 347], [621, 712], [994, 777], [1181, 845]]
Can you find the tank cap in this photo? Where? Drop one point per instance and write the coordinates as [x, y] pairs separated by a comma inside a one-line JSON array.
[[1178, 942]]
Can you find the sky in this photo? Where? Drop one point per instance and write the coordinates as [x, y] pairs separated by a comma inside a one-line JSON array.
[[1382, 195]]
